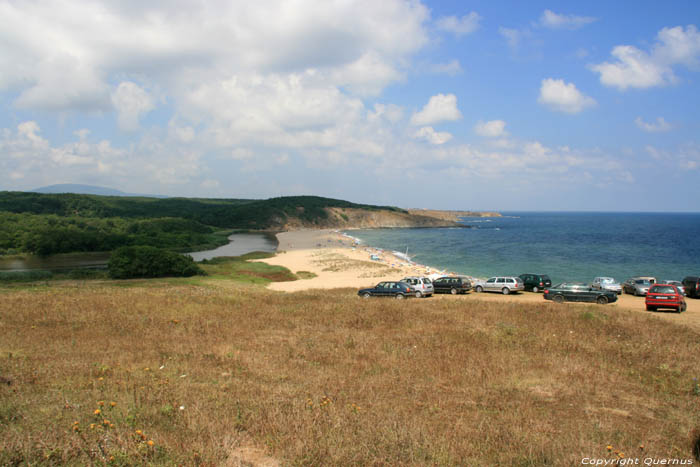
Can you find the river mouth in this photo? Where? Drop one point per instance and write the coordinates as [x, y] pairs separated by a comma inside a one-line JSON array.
[[239, 244]]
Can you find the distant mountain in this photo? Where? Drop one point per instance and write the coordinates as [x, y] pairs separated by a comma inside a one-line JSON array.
[[87, 190]]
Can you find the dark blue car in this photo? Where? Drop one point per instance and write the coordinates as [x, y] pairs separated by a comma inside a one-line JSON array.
[[389, 289]]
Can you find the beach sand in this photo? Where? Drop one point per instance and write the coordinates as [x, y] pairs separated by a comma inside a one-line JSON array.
[[338, 262]]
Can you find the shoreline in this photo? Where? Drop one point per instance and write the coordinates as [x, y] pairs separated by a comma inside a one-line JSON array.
[[339, 262]]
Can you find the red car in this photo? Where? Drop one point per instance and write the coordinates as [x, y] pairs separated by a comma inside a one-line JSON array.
[[665, 296]]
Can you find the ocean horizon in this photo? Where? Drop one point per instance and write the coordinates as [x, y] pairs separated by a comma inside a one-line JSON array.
[[566, 245]]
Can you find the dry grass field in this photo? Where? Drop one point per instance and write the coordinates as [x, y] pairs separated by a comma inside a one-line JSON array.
[[217, 372]]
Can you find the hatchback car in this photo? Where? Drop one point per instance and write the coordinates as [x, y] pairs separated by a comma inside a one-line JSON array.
[[665, 296], [453, 285], [536, 282], [389, 289], [504, 285], [607, 283], [423, 285], [636, 286], [573, 292]]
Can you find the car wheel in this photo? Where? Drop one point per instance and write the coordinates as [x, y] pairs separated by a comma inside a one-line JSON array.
[[418, 294], [651, 308], [366, 295], [602, 300], [558, 299], [679, 309], [453, 291], [535, 289], [505, 290], [399, 296], [479, 288]]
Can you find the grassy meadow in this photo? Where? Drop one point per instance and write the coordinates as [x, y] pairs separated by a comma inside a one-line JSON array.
[[201, 371]]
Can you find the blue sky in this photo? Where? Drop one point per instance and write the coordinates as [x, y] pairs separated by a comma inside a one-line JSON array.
[[453, 105]]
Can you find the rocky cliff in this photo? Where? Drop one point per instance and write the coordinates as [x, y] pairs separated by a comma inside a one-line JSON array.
[[353, 218]]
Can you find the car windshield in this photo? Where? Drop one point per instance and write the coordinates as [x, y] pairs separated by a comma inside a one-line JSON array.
[[642, 282], [663, 289], [607, 280]]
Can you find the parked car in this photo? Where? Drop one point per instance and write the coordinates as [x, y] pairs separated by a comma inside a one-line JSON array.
[[692, 286], [607, 283], [678, 284], [665, 296], [636, 286], [535, 282], [574, 292], [389, 289], [453, 285], [423, 285], [503, 284]]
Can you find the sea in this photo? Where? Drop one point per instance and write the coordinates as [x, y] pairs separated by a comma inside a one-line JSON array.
[[567, 246]]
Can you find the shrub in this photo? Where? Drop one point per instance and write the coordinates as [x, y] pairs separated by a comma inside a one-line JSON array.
[[25, 276], [146, 261]]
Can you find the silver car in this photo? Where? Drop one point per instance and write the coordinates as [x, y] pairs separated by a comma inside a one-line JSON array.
[[502, 284], [606, 283], [678, 285], [423, 285], [637, 286]]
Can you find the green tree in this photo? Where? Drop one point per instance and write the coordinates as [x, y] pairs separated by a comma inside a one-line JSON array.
[[146, 261]]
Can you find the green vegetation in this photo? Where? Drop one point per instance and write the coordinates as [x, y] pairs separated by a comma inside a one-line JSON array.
[[46, 224], [131, 262], [36, 276], [223, 213], [47, 234], [243, 269]]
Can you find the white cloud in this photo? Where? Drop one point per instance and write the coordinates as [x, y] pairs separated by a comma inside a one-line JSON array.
[[635, 68], [427, 133], [52, 61], [563, 97], [661, 125], [553, 20], [441, 107], [491, 129], [467, 24], [390, 112], [131, 102], [513, 36]]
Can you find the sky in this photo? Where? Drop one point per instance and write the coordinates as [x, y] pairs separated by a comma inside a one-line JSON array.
[[487, 105]]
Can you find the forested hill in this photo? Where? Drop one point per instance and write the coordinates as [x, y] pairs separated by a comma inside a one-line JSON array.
[[272, 213], [46, 224]]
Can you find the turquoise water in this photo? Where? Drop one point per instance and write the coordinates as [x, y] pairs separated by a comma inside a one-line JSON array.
[[566, 246]]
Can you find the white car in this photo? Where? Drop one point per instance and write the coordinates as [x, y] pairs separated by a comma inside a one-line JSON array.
[[502, 284], [606, 283], [423, 285]]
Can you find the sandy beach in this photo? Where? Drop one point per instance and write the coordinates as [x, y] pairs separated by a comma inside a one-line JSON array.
[[339, 262]]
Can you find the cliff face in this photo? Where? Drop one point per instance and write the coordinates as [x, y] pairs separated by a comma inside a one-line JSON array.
[[452, 215], [352, 218]]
